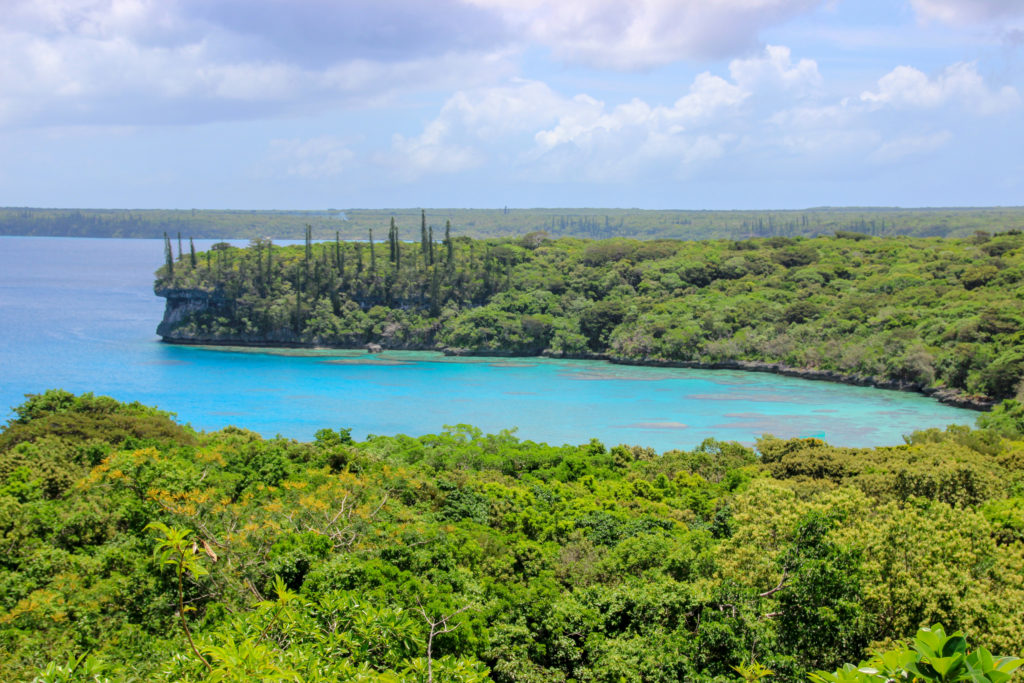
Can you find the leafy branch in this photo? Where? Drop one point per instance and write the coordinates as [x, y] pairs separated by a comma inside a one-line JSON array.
[[176, 550]]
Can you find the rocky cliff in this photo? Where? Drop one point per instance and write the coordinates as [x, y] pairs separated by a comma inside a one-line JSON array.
[[181, 305], [186, 307]]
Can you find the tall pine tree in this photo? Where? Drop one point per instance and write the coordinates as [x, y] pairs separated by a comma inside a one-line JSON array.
[[423, 238], [373, 257], [168, 255], [309, 247], [449, 264], [270, 265], [393, 241]]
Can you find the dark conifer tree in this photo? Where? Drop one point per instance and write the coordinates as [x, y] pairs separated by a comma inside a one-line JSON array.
[[269, 277], [450, 261], [168, 255], [393, 241], [181, 252], [256, 246], [341, 263], [435, 292], [423, 237], [309, 247], [298, 301], [373, 257], [192, 252]]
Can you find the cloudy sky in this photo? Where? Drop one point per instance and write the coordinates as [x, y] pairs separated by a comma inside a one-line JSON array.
[[688, 104]]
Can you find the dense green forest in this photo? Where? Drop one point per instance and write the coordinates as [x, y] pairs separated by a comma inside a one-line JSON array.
[[481, 223], [135, 549], [941, 315]]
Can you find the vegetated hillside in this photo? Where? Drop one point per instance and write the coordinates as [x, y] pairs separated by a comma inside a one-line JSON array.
[[154, 553], [481, 223], [912, 312]]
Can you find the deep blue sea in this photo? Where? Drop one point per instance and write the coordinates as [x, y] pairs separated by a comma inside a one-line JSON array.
[[80, 314]]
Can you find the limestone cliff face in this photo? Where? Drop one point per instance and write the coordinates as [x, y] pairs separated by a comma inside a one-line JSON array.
[[185, 306], [182, 304], [189, 312]]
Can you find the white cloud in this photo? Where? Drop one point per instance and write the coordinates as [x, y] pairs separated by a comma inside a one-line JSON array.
[[321, 157], [521, 105], [99, 62], [813, 117], [708, 96], [884, 125], [557, 136], [185, 61], [999, 19], [910, 145], [528, 126], [470, 119], [821, 131], [958, 11], [430, 152], [776, 68], [711, 100], [644, 33], [960, 83]]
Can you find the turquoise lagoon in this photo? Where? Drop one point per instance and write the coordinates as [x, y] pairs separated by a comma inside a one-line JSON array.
[[80, 314]]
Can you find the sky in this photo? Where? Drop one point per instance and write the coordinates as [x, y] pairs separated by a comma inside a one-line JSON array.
[[655, 104]]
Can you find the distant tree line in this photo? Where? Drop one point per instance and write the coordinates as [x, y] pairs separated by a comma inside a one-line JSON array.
[[486, 223]]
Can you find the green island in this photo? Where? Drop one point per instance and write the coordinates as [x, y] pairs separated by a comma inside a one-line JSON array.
[[939, 315], [482, 223], [136, 549]]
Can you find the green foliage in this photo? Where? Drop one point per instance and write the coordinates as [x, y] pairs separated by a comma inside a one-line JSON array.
[[753, 672], [934, 656], [917, 313], [165, 555], [84, 669], [822, 617], [1006, 419], [87, 418], [533, 225]]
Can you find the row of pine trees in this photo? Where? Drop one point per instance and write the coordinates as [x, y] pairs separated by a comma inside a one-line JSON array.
[[424, 275]]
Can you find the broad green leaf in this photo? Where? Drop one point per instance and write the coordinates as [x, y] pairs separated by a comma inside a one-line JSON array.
[[956, 643], [1008, 664], [947, 666]]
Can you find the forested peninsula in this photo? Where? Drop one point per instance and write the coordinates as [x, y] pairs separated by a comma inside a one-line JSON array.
[[939, 315], [136, 549]]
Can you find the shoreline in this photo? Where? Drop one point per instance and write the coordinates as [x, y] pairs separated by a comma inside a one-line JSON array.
[[943, 395]]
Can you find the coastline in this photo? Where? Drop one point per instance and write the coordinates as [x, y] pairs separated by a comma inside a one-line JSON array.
[[943, 395]]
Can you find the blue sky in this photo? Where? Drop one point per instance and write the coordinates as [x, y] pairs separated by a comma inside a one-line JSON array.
[[674, 104]]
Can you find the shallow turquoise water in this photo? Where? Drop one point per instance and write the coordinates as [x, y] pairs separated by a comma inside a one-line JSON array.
[[80, 314]]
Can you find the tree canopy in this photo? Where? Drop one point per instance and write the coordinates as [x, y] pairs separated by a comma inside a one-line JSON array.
[[137, 549], [928, 313]]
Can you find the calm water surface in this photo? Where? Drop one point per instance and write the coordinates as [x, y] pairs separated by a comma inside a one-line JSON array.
[[80, 314]]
